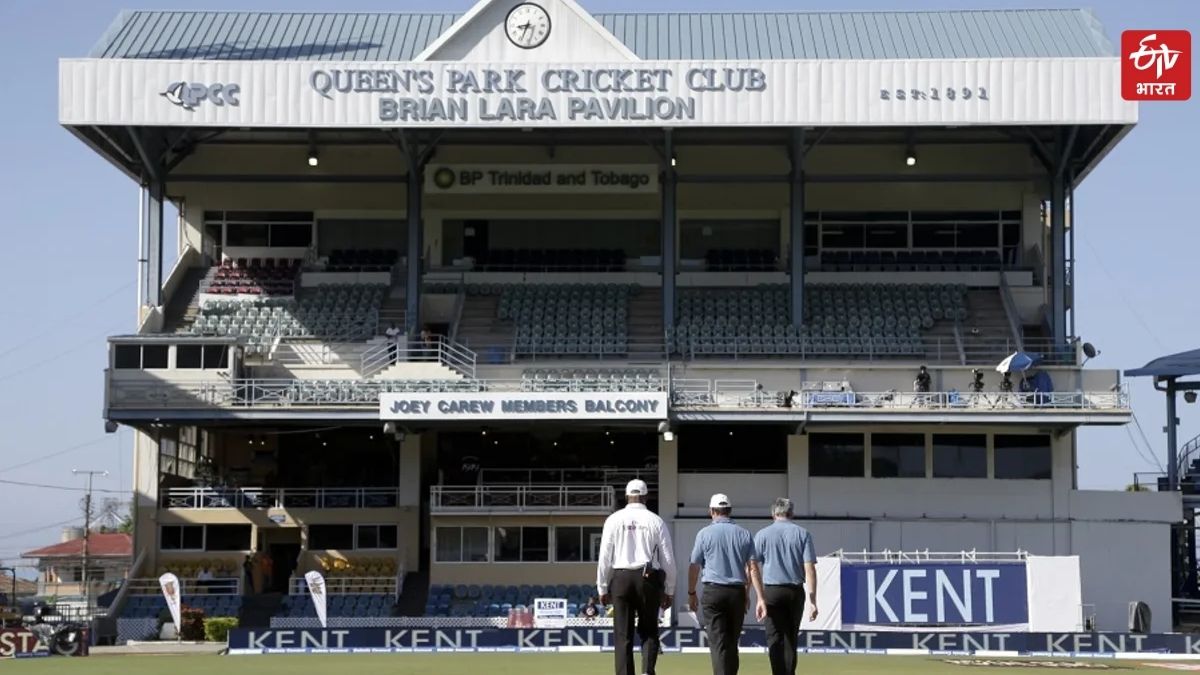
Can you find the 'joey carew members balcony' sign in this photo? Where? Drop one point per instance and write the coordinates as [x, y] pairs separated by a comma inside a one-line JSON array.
[[523, 406]]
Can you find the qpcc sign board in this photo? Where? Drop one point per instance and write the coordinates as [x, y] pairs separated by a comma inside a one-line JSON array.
[[934, 594], [852, 92], [468, 406]]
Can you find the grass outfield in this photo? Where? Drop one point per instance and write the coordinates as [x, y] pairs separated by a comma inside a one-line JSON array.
[[501, 664]]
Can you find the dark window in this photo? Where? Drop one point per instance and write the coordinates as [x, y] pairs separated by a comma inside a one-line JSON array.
[[216, 356], [933, 235], [576, 544], [155, 356], [898, 455], [812, 242], [228, 538], [1023, 456], [842, 236], [887, 236], [246, 234], [188, 356], [127, 357], [270, 216], [1012, 234], [291, 235], [711, 448], [330, 537], [535, 544], [508, 544], [835, 455], [182, 538], [376, 537], [959, 456]]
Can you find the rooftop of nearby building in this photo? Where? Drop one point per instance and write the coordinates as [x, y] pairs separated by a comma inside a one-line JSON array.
[[100, 545]]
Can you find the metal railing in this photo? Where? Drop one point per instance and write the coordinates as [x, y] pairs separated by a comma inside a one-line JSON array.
[[472, 498], [736, 394], [435, 350], [283, 498], [927, 556], [349, 586], [218, 586]]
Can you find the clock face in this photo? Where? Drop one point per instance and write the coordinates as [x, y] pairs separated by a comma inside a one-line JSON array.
[[527, 25]]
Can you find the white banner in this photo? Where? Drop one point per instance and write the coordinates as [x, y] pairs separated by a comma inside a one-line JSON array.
[[857, 92], [170, 590], [541, 178], [549, 613], [319, 593], [527, 406]]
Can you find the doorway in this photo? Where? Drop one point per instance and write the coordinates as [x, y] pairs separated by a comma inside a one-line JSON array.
[[283, 547], [210, 244]]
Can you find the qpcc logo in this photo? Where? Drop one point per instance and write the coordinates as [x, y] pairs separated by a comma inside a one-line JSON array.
[[188, 95], [1156, 65]]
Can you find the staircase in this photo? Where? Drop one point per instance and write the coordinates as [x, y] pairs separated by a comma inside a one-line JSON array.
[[645, 325], [183, 307], [481, 331], [987, 334], [417, 370], [257, 610]]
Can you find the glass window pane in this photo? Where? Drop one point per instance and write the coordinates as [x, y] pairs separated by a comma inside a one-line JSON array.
[[449, 544], [591, 543], [1025, 456], [171, 538], [508, 544], [535, 544], [245, 234], [216, 356], [959, 456], [887, 236], [128, 357], [188, 356], [568, 546], [898, 455], [228, 538], [933, 235], [368, 536], [193, 537], [978, 235], [842, 236], [835, 455], [475, 544], [331, 537], [154, 356], [291, 235]]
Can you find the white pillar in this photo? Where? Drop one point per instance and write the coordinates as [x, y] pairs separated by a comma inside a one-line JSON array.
[[145, 499], [668, 479], [1062, 480], [797, 473]]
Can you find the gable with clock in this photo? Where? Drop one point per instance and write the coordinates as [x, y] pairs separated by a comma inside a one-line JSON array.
[[525, 31]]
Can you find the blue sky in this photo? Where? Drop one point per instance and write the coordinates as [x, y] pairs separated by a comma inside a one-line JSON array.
[[69, 225]]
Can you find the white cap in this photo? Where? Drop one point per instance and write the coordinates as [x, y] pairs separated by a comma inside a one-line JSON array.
[[719, 501], [636, 488]]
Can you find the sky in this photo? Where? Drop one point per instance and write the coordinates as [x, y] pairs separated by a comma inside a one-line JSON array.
[[70, 222]]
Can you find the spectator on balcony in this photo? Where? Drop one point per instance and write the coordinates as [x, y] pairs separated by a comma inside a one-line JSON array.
[[267, 566], [248, 573], [204, 578], [634, 575], [393, 334]]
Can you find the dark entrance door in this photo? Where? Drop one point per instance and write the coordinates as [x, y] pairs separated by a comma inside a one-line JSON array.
[[475, 239], [284, 557]]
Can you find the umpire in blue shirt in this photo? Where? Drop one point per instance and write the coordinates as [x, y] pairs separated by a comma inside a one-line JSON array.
[[789, 566], [725, 560]]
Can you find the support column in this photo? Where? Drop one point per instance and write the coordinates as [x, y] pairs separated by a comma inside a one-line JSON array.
[[416, 243], [669, 244], [409, 500], [796, 227], [1172, 439], [154, 243], [145, 498], [668, 479], [797, 474], [1058, 248]]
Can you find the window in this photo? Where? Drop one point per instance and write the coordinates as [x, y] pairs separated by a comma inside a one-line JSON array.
[[722, 448], [842, 235], [1023, 456], [299, 235], [835, 455], [155, 356], [247, 234], [376, 537], [959, 456], [933, 235], [577, 544], [330, 537], [887, 236], [189, 356], [127, 357], [462, 544], [182, 538], [216, 356], [522, 544], [227, 538], [898, 455]]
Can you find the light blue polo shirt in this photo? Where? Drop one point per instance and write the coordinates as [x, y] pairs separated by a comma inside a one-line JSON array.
[[722, 550], [784, 547]]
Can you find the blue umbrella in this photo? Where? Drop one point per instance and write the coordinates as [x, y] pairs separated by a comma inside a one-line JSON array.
[[1019, 362]]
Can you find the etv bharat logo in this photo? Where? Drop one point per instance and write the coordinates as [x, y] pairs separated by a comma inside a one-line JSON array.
[[1156, 65]]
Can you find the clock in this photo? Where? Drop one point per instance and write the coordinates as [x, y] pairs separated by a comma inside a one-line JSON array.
[[527, 25]]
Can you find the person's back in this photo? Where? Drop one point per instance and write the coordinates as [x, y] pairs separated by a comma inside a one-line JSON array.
[[782, 546]]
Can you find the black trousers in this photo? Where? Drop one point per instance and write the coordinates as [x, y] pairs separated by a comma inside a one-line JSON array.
[[635, 603], [724, 611], [785, 608]]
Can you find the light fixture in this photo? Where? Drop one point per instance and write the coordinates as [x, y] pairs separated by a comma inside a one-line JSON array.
[[664, 428], [1189, 396], [483, 432], [371, 437], [674, 160], [313, 160], [910, 155]]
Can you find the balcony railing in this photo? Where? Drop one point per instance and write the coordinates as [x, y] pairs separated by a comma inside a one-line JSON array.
[[521, 498], [349, 585], [219, 586], [284, 498]]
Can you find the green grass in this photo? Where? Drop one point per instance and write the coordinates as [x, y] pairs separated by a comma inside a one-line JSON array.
[[494, 664]]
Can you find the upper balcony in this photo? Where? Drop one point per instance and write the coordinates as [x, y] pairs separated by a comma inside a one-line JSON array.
[[521, 499], [209, 498]]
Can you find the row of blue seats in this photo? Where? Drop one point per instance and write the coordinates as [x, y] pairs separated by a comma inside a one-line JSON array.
[[150, 606], [491, 592]]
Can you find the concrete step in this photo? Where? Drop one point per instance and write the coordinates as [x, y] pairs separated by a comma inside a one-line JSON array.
[[418, 370]]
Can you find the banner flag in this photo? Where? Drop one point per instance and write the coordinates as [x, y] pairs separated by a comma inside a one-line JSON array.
[[170, 590], [316, 588]]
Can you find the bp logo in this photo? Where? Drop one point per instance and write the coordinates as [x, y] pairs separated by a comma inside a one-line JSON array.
[[444, 178]]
